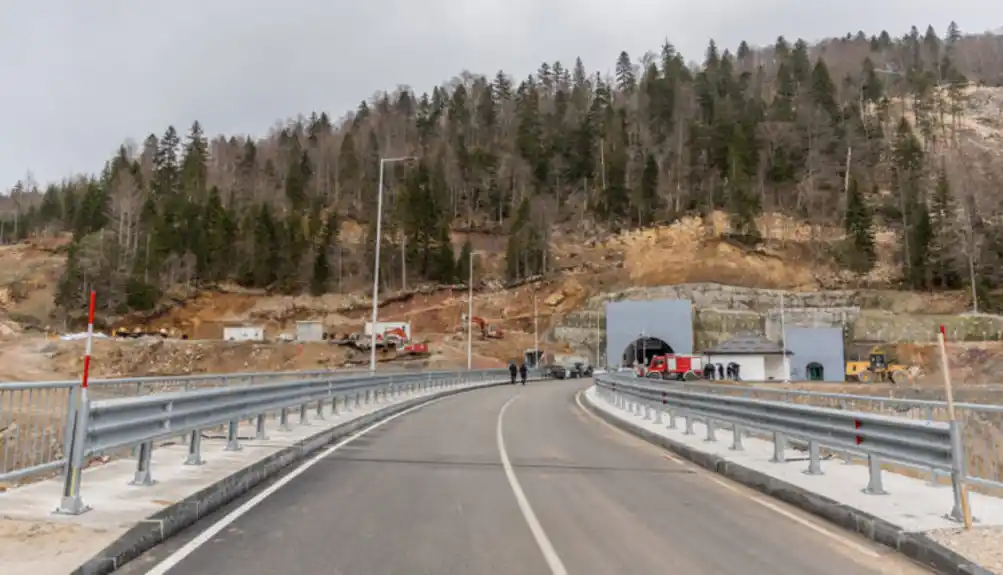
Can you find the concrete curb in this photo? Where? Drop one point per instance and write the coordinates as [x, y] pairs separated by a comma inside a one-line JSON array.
[[916, 546], [171, 520]]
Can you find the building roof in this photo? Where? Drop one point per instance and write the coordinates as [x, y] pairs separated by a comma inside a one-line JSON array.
[[748, 344]]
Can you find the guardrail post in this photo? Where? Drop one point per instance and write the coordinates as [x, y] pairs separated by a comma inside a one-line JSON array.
[[689, 424], [259, 428], [645, 410], [334, 405], [958, 471], [358, 399], [779, 446], [320, 409], [658, 414], [71, 502], [284, 419], [672, 418], [874, 486], [232, 436], [303, 418], [736, 437], [195, 448], [710, 429], [71, 415], [144, 475], [814, 462]]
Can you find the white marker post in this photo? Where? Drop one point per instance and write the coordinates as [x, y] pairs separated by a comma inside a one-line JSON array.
[[71, 503], [961, 490], [89, 346]]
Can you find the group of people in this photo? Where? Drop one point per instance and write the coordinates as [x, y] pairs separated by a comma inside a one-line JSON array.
[[720, 372], [521, 371]]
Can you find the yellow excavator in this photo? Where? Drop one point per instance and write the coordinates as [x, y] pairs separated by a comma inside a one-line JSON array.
[[877, 368]]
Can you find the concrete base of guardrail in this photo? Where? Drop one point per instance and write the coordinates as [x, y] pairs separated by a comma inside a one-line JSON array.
[[916, 546], [161, 526]]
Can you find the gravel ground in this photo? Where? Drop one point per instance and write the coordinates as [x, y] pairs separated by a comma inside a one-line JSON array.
[[984, 545]]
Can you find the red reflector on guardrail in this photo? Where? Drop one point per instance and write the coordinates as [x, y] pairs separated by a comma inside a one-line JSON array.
[[856, 425]]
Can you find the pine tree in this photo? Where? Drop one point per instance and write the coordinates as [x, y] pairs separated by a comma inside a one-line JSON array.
[[445, 264], [920, 272], [166, 166], [859, 229], [647, 201], [463, 262], [626, 80], [194, 166], [321, 272], [944, 239], [267, 259]]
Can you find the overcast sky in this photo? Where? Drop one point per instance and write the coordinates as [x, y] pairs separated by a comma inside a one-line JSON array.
[[81, 76]]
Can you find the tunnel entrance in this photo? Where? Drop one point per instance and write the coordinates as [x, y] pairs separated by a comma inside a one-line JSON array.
[[815, 371], [641, 350]]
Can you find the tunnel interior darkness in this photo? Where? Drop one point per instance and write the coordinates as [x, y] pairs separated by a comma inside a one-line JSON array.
[[641, 350]]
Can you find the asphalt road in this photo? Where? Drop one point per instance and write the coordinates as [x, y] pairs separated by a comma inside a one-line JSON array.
[[427, 493]]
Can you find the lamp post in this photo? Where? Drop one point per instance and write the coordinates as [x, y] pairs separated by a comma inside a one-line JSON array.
[[470, 313], [536, 333], [376, 264]]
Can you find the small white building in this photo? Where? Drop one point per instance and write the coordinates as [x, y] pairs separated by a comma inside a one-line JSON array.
[[244, 333], [752, 356]]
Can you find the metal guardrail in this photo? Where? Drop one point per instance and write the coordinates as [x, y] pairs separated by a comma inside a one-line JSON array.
[[982, 424], [34, 415], [102, 426], [879, 438]]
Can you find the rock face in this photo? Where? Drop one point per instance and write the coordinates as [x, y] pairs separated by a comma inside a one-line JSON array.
[[720, 312]]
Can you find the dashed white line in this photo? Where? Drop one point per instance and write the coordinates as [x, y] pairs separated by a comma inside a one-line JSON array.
[[546, 547], [858, 547]]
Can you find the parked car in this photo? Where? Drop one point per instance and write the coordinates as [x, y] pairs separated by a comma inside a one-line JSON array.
[[558, 372]]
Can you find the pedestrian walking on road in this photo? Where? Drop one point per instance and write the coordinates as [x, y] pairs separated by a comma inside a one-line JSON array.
[[522, 373], [512, 370]]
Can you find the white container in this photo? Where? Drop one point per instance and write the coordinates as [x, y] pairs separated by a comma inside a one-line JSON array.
[[244, 333]]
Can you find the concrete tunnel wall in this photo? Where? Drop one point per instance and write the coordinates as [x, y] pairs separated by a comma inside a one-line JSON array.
[[823, 345], [670, 320]]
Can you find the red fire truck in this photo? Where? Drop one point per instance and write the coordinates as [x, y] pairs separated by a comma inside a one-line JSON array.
[[677, 367]]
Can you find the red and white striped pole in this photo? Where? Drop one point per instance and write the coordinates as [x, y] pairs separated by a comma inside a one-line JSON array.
[[87, 349], [71, 502]]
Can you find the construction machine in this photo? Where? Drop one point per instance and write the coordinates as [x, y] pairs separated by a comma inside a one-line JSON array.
[[488, 331], [877, 368]]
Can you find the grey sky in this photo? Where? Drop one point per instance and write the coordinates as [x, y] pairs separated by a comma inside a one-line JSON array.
[[80, 77]]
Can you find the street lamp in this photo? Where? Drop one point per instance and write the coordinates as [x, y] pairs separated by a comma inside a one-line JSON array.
[[470, 312], [376, 265]]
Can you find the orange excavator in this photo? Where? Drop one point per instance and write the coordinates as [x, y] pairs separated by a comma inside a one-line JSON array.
[[488, 330], [395, 335]]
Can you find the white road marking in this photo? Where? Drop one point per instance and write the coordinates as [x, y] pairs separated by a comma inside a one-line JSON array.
[[178, 556], [546, 547], [860, 548]]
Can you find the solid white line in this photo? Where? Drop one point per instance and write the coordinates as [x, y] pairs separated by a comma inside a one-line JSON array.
[[860, 548], [178, 556], [546, 547]]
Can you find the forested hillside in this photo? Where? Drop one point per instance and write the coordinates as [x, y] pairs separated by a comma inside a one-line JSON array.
[[748, 131]]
